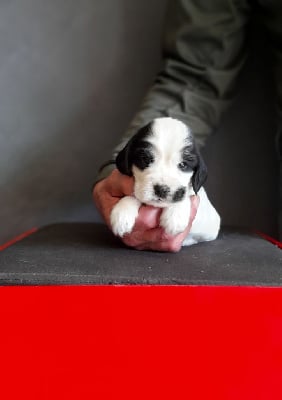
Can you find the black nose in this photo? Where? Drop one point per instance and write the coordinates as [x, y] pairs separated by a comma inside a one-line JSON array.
[[179, 194], [161, 191]]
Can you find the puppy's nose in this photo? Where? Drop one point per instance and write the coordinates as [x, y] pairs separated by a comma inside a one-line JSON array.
[[161, 191]]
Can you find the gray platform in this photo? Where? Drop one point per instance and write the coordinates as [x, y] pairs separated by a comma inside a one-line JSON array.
[[90, 254]]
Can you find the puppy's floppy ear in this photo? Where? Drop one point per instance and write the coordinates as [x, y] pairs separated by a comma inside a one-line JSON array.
[[123, 160], [125, 157], [200, 174]]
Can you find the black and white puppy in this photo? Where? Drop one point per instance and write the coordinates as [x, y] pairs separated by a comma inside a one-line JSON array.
[[167, 169]]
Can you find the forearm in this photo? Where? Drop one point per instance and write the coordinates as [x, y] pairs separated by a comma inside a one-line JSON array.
[[203, 53]]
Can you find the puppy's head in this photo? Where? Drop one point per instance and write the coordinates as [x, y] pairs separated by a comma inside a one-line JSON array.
[[164, 161]]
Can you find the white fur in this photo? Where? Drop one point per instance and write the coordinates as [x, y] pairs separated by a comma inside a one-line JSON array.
[[168, 137], [175, 218], [124, 214]]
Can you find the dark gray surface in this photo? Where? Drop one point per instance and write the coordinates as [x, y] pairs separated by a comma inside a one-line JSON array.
[[90, 254]]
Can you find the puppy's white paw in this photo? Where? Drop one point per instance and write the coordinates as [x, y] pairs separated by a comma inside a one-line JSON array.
[[175, 219], [124, 214]]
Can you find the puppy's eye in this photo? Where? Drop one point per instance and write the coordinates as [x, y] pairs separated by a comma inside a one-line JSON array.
[[184, 166]]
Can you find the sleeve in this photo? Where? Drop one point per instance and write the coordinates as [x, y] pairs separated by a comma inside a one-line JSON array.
[[203, 52]]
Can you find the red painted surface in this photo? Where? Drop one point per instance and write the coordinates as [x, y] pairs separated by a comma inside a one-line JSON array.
[[269, 239], [141, 343], [17, 238]]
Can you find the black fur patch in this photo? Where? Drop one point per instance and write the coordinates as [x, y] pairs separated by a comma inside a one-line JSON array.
[[192, 161], [142, 155], [137, 151], [179, 194], [189, 159]]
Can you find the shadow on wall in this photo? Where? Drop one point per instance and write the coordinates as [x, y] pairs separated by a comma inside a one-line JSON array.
[[241, 156], [71, 77]]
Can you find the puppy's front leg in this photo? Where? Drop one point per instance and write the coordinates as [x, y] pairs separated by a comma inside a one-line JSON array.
[[175, 218], [124, 214]]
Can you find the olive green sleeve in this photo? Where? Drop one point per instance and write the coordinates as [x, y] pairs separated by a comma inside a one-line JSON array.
[[203, 52]]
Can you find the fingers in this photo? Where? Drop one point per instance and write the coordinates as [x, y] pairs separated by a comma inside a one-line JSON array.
[[108, 192], [148, 217], [154, 239], [147, 235]]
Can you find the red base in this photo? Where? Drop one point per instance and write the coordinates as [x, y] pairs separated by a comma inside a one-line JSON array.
[[269, 239], [141, 343], [17, 238]]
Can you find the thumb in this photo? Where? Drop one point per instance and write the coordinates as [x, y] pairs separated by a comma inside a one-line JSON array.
[[120, 185]]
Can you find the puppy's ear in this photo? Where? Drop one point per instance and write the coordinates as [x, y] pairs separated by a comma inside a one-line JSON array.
[[123, 160], [125, 157], [200, 174]]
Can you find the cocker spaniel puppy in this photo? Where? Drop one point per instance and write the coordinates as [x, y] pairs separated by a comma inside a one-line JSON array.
[[167, 169]]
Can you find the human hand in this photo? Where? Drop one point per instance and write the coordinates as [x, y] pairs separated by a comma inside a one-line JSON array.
[[146, 234]]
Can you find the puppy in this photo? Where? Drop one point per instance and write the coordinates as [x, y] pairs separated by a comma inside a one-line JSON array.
[[167, 169]]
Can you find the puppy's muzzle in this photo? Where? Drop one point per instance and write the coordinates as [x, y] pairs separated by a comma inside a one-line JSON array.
[[163, 192]]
